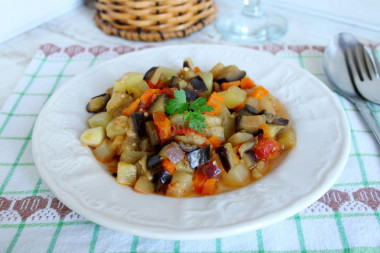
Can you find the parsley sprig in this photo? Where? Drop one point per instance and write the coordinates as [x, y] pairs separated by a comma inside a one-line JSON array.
[[194, 109]]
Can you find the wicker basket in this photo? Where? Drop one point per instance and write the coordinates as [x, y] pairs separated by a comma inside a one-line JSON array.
[[153, 20]]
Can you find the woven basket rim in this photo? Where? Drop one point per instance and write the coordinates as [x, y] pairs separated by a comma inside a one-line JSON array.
[[155, 34]]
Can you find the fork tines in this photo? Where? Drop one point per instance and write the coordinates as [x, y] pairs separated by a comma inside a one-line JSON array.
[[360, 64]]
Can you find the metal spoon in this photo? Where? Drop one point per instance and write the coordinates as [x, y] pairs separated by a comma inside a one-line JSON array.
[[335, 67]]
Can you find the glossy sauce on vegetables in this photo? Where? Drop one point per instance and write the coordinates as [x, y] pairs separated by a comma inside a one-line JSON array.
[[188, 133]]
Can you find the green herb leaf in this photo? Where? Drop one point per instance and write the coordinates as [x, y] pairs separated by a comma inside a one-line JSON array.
[[195, 109], [200, 104], [178, 104], [196, 120]]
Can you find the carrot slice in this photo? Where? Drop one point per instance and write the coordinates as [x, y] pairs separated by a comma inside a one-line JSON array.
[[168, 165], [148, 94], [199, 180], [163, 125], [214, 141], [247, 83], [131, 108], [241, 106], [227, 85], [259, 92], [209, 187], [215, 101], [197, 70]]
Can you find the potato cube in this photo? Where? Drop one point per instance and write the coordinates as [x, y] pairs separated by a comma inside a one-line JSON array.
[[92, 136], [143, 185], [128, 82], [100, 119], [233, 97], [126, 173]]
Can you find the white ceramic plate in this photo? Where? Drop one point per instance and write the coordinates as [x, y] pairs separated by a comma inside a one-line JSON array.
[[307, 172]]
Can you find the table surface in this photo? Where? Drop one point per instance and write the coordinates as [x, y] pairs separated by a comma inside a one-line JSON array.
[[78, 27], [350, 210]]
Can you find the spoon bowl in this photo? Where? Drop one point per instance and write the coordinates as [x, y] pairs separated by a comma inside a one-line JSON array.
[[335, 67]]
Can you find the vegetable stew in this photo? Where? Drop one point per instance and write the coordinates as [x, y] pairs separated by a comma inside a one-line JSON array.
[[187, 132]]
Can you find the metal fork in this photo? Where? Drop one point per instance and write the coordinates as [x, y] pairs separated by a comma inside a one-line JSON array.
[[364, 73], [365, 79]]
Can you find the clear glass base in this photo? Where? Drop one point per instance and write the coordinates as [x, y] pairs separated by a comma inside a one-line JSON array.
[[241, 27]]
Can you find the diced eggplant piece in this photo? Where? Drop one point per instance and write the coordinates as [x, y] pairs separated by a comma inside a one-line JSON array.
[[177, 120], [253, 102], [216, 87], [208, 81], [227, 156], [246, 146], [161, 179], [191, 139], [247, 154], [142, 167], [98, 103], [212, 169], [173, 152], [250, 123], [239, 138], [271, 130], [230, 73], [188, 63], [198, 84], [166, 74], [151, 131], [139, 120], [249, 158], [247, 111], [159, 103], [152, 74], [228, 122], [199, 157], [187, 147], [177, 82], [252, 155], [118, 102], [217, 69], [167, 142], [223, 156], [275, 120], [191, 95], [144, 145], [154, 163]]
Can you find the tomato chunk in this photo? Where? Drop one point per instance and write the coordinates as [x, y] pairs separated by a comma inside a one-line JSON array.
[[266, 148]]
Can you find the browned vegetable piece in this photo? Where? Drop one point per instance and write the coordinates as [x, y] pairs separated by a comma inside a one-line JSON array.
[[198, 83], [230, 73], [98, 103]]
